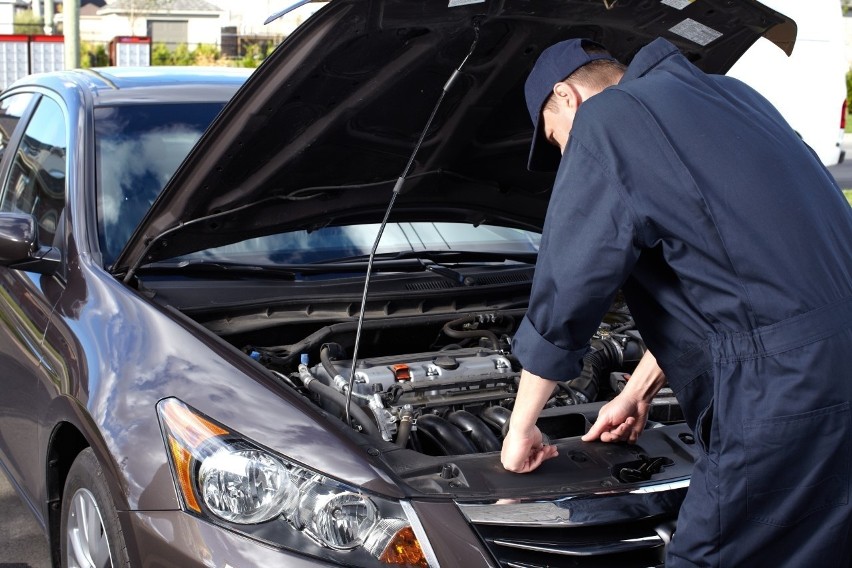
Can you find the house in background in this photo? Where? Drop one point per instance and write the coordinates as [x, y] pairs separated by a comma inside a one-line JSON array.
[[190, 22], [172, 22], [247, 16]]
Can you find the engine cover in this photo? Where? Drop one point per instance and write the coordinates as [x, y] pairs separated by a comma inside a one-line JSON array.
[[442, 367]]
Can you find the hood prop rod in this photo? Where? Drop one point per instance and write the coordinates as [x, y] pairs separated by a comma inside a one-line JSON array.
[[396, 189]]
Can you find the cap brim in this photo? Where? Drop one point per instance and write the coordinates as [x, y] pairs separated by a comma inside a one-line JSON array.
[[544, 157]]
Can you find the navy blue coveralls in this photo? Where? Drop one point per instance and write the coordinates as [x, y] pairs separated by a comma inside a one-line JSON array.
[[733, 246]]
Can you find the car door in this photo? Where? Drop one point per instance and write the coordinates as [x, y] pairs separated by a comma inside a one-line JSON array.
[[33, 171]]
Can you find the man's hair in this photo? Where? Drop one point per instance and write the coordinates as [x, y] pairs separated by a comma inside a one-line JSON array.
[[598, 74]]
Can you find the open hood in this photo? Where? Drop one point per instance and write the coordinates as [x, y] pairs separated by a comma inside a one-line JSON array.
[[323, 129]]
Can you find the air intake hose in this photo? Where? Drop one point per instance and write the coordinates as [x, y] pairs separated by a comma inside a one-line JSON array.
[[604, 357]]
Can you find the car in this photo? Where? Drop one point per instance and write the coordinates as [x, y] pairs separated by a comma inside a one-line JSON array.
[[215, 351]]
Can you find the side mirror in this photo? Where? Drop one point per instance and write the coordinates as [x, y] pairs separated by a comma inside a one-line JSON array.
[[19, 246]]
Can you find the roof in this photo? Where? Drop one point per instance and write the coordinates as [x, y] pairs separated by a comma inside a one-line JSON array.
[[123, 85], [91, 7]]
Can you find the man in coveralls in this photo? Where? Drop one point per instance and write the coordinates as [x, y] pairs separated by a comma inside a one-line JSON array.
[[733, 246]]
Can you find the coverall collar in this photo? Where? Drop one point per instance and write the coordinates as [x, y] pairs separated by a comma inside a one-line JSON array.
[[649, 57]]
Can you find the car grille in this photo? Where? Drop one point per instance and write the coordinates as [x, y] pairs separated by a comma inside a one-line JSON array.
[[624, 545], [627, 528]]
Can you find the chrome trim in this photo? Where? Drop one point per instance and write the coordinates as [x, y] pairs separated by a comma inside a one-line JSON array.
[[682, 484], [582, 509], [420, 533], [609, 547]]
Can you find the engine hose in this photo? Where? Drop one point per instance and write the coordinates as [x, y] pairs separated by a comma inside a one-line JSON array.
[[327, 364], [603, 358], [292, 352], [435, 432], [569, 391], [475, 429], [496, 417], [404, 430], [329, 394], [450, 331]]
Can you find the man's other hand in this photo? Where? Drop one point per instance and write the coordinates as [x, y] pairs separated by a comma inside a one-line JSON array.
[[524, 451], [620, 420]]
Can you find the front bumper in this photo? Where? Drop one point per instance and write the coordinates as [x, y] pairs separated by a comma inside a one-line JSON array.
[[174, 539]]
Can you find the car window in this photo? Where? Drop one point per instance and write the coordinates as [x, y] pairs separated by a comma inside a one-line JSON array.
[[137, 149], [36, 182], [11, 110]]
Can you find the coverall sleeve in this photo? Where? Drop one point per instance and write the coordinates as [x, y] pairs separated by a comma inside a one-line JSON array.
[[588, 249]]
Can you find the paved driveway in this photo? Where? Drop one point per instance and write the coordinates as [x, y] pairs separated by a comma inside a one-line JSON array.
[[22, 544]]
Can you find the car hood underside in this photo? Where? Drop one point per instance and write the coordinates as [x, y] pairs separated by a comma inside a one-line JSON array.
[[323, 130]]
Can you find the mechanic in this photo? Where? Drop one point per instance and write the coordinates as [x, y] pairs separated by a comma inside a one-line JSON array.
[[733, 246]]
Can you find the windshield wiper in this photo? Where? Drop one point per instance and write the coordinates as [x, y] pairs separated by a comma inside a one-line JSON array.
[[219, 269], [407, 261], [444, 256], [285, 271]]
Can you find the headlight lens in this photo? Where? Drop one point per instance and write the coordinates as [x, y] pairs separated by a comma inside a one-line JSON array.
[[223, 476], [246, 486], [338, 520]]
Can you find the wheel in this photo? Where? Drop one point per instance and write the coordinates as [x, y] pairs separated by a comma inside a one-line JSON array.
[[91, 535]]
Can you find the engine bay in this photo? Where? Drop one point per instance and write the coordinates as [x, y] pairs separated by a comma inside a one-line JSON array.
[[454, 396]]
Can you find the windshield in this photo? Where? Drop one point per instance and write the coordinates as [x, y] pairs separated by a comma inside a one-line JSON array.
[[137, 150], [139, 147], [333, 243]]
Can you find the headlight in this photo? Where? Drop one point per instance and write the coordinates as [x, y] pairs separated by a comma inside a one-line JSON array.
[[230, 480], [246, 486]]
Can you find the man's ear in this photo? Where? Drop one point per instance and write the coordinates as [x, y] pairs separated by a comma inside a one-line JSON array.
[[567, 96]]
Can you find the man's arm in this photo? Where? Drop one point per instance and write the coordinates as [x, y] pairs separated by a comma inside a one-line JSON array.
[[623, 418]]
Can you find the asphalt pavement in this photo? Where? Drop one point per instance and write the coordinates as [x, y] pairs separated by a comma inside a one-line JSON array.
[[22, 544]]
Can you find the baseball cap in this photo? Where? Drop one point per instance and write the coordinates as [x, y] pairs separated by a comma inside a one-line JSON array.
[[553, 65]]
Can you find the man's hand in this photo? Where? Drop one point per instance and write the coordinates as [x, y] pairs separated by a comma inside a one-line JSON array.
[[523, 450], [620, 420], [623, 418]]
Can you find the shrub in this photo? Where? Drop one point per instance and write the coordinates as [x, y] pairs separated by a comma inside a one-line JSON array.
[[93, 55], [206, 55], [26, 22], [160, 54], [849, 90], [182, 56]]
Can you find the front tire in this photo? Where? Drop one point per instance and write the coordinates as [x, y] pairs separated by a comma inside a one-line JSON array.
[[91, 535]]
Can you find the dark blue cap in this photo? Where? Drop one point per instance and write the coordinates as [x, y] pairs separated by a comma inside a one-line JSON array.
[[554, 64]]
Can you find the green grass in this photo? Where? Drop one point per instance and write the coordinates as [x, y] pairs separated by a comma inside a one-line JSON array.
[[848, 194], [848, 128]]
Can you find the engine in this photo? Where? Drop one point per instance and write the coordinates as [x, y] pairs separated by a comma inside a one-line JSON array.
[[456, 396]]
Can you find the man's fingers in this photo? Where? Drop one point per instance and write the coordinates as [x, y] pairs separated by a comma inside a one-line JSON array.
[[622, 432], [598, 428], [539, 455]]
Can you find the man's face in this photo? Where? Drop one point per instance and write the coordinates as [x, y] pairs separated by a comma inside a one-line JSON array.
[[561, 108], [559, 111], [557, 122]]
